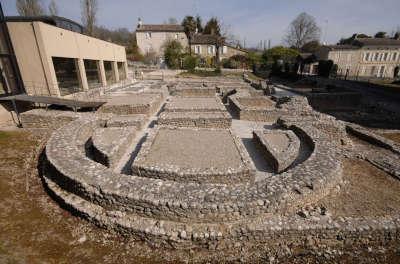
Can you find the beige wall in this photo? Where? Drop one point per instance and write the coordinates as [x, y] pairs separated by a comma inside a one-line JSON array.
[[226, 52], [358, 65], [35, 43], [372, 66], [156, 41]]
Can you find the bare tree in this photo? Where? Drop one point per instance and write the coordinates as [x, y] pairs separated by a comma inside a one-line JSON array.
[[226, 32], [302, 30], [53, 10], [89, 11], [29, 7]]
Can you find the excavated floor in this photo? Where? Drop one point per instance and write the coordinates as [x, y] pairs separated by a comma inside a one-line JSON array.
[[189, 148]]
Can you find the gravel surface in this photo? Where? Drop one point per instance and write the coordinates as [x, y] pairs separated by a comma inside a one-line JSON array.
[[368, 191]]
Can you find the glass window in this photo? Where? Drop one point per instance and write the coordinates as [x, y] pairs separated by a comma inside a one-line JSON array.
[[385, 57], [382, 71], [3, 42], [108, 68], [8, 78], [367, 56], [373, 70], [121, 71], [67, 75], [376, 56], [92, 73]]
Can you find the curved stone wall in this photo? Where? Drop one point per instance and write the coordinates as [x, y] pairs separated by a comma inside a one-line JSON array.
[[74, 172]]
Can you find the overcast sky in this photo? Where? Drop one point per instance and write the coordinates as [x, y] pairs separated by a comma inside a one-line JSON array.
[[252, 20]]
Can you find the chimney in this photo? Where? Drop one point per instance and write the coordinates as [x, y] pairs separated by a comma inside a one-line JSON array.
[[140, 23], [212, 31], [197, 30]]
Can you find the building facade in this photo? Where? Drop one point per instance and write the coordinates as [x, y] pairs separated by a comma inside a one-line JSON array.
[[54, 58], [204, 46], [151, 39], [57, 62], [366, 57]]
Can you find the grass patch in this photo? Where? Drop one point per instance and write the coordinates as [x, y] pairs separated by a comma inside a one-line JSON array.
[[4, 135], [254, 77]]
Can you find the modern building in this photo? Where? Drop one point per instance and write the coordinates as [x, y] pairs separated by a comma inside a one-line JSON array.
[[51, 56], [365, 57]]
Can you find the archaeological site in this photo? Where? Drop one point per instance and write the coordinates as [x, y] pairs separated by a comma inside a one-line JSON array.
[[183, 143], [215, 166]]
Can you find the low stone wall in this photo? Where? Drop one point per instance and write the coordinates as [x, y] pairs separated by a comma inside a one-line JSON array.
[[127, 120], [386, 157], [77, 174], [279, 157], [109, 144], [195, 119], [195, 104], [193, 91], [253, 113], [49, 119], [373, 138], [147, 107]]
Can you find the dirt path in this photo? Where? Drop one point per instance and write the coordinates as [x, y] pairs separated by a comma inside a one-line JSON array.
[[34, 229], [368, 191]]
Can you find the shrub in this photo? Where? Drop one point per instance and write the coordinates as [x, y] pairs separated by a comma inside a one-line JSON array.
[[226, 63], [190, 63], [325, 68], [173, 52], [237, 62]]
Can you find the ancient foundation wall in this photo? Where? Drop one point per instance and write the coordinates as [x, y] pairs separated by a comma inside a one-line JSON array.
[[195, 119], [50, 119]]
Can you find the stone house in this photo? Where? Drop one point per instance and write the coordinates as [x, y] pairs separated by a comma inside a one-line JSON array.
[[204, 46], [365, 57], [152, 38]]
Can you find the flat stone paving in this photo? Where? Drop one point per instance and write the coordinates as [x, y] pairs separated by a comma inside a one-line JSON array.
[[188, 148], [256, 102], [188, 104]]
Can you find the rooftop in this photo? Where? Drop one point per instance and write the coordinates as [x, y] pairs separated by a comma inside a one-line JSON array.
[[160, 28], [205, 39], [367, 42], [57, 21]]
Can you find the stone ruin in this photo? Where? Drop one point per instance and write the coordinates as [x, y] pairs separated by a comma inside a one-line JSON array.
[[191, 182]]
